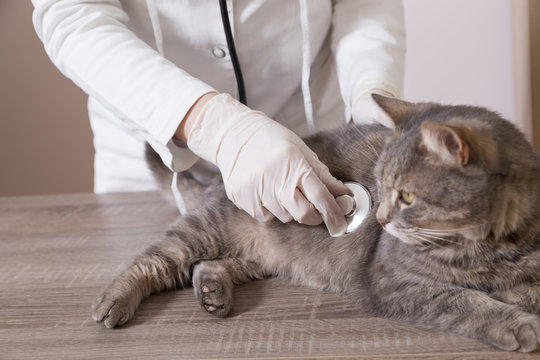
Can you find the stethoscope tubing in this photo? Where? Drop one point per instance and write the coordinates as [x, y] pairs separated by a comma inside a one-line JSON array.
[[232, 51]]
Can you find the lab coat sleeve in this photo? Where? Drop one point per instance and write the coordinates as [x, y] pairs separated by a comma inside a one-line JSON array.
[[368, 43], [90, 44]]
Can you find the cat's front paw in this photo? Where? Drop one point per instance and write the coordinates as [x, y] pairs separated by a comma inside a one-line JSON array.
[[519, 334], [113, 308]]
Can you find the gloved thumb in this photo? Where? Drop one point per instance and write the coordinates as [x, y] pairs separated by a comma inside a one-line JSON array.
[[318, 194], [336, 187]]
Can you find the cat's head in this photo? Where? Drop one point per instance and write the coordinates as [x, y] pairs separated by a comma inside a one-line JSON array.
[[454, 174]]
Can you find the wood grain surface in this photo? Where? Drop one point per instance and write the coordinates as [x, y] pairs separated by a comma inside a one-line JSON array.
[[58, 252]]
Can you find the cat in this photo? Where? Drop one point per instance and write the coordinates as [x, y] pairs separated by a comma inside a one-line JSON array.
[[452, 242]]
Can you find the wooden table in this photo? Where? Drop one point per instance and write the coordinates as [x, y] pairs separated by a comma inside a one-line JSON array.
[[57, 252]]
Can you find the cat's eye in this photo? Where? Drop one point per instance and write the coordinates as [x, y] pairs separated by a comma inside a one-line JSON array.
[[407, 197]]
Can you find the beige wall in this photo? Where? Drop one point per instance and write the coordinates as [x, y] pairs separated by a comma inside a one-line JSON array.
[[460, 52], [45, 138], [478, 52]]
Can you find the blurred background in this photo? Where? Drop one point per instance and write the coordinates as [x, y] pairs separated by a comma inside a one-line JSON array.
[[478, 52]]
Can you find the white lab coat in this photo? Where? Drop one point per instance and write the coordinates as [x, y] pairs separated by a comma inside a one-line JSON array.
[[144, 64]]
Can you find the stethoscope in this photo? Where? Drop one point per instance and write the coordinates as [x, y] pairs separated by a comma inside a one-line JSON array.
[[232, 51], [355, 207]]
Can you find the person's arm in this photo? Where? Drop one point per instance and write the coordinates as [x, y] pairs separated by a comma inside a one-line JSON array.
[[90, 44], [192, 114], [267, 169], [368, 42]]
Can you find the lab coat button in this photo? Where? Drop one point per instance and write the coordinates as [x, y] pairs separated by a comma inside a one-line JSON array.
[[218, 52]]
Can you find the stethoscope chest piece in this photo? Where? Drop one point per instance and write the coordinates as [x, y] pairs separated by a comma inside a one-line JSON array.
[[356, 207]]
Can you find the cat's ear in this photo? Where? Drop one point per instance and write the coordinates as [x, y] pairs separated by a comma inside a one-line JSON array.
[[398, 110], [446, 141]]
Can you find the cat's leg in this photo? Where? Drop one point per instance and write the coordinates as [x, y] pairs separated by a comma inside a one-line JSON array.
[[165, 265], [526, 296], [464, 311], [213, 282]]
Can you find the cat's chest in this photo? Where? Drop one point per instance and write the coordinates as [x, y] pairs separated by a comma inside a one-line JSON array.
[[480, 274], [447, 269]]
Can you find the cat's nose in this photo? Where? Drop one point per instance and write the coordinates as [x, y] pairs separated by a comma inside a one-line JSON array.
[[383, 222]]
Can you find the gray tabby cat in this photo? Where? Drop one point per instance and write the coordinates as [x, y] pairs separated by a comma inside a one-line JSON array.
[[452, 243]]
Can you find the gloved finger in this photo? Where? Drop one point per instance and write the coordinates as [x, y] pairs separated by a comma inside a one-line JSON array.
[[317, 193], [253, 207], [300, 208], [280, 213], [263, 215], [277, 210], [336, 187], [259, 213]]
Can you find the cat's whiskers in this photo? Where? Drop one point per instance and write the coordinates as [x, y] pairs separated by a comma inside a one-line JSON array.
[[423, 239], [435, 233], [439, 238], [454, 230]]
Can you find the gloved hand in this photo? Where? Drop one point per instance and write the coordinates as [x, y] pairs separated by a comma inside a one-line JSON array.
[[267, 170], [366, 111]]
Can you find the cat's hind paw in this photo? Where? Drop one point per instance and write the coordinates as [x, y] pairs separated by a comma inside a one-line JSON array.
[[213, 287], [214, 297]]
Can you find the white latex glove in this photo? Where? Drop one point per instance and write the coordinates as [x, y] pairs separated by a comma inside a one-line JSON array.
[[366, 111], [267, 170]]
